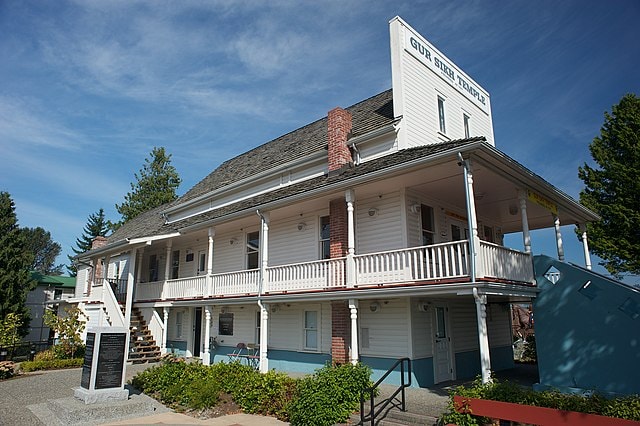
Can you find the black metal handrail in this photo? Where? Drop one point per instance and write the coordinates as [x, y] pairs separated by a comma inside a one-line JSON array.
[[371, 391]]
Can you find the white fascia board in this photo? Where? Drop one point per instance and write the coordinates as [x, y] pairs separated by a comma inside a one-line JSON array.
[[527, 178], [124, 245], [338, 186], [247, 181], [381, 131], [149, 240]]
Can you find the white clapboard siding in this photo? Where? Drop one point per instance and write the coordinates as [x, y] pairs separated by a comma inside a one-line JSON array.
[[288, 244], [244, 325], [286, 326], [421, 330], [229, 257], [464, 328], [499, 325], [387, 328], [382, 231]]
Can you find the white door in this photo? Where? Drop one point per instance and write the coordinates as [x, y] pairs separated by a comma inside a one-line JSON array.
[[202, 263], [443, 369]]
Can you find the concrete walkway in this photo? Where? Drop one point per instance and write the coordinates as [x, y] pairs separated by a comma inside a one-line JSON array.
[[46, 398]]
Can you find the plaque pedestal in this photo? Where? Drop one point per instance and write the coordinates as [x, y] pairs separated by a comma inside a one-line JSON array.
[[103, 370]]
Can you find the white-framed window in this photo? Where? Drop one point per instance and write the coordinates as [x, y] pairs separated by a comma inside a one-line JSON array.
[[116, 270], [465, 123], [441, 115], [179, 319], [428, 228], [311, 332], [175, 264], [258, 322], [202, 262], [325, 237], [153, 268], [253, 249]]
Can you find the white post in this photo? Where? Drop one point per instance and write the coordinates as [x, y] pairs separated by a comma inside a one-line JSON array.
[[556, 224], [105, 287], [264, 252], [264, 337], [483, 335], [351, 239], [206, 357], [526, 236], [353, 307], [139, 270], [472, 222], [585, 246], [165, 317], [167, 263], [130, 281]]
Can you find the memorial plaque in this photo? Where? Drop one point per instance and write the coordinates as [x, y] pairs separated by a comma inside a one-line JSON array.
[[88, 359], [110, 360]]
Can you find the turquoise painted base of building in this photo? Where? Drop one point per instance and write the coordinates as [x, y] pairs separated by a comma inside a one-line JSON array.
[[177, 347], [421, 371], [280, 360], [468, 363]]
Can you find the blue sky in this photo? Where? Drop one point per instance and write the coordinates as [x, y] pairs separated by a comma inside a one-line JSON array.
[[88, 88]]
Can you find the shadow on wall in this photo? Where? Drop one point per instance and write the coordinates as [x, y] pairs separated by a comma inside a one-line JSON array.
[[587, 329]]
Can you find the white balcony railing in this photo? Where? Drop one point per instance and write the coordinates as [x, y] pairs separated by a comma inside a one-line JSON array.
[[318, 275], [446, 261], [439, 261]]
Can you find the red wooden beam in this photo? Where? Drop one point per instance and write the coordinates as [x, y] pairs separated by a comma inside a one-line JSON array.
[[533, 415]]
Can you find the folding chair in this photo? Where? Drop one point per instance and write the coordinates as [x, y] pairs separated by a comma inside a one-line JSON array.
[[237, 352]]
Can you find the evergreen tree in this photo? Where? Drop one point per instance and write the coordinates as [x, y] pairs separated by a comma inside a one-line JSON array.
[[155, 185], [612, 189], [15, 278], [44, 250], [97, 225]]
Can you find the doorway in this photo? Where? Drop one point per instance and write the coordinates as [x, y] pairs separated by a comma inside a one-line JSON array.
[[197, 332], [443, 369]]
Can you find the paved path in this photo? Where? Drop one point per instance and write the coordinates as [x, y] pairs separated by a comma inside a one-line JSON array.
[[24, 399]]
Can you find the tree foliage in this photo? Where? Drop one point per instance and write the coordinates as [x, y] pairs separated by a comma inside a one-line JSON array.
[[9, 330], [68, 328], [44, 250], [15, 260], [612, 188], [156, 184], [97, 225]]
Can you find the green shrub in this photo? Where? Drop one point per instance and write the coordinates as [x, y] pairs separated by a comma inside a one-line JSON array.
[[330, 395], [54, 364], [46, 355], [625, 408], [530, 353], [7, 369], [268, 394]]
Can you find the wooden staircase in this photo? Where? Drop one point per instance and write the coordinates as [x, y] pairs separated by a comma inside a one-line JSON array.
[[142, 346]]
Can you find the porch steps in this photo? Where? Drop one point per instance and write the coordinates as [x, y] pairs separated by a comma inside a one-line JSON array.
[[142, 347], [395, 417]]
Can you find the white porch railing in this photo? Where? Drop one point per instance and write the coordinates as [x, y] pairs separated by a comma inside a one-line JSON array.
[[317, 275], [504, 263], [185, 287], [235, 283], [439, 261], [149, 291]]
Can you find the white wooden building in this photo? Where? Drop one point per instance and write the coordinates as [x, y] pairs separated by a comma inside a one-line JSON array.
[[372, 234]]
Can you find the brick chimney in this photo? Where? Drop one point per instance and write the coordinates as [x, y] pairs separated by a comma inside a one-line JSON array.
[[98, 242], [338, 129]]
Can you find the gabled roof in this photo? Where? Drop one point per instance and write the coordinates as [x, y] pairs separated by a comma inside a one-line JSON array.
[[54, 280]]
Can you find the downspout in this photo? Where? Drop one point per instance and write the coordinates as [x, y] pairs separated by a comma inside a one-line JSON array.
[[264, 314], [472, 249]]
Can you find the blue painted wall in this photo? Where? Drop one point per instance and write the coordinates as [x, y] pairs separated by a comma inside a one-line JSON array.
[[468, 363], [287, 361], [587, 337], [421, 369], [177, 347]]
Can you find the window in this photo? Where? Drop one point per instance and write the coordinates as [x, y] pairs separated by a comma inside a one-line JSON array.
[[116, 270], [465, 120], [488, 234], [202, 262], [311, 330], [441, 328], [443, 128], [253, 248], [57, 294], [258, 322], [225, 324], [153, 268], [426, 216], [175, 264], [179, 324], [325, 238]]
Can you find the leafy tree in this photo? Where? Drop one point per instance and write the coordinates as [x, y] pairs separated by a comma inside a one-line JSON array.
[[612, 188], [68, 328], [44, 250], [155, 185], [97, 225], [15, 260], [9, 328]]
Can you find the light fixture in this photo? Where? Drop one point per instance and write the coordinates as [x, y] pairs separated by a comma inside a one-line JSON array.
[[374, 307], [233, 241], [424, 306], [414, 208], [373, 211], [302, 226], [513, 209]]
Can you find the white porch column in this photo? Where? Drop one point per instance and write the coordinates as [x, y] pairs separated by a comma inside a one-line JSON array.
[[264, 337], [206, 357], [130, 281], [353, 308], [472, 221], [585, 246], [139, 270], [211, 233], [483, 335], [167, 263], [556, 224], [264, 251], [165, 317], [526, 236], [105, 287], [351, 239]]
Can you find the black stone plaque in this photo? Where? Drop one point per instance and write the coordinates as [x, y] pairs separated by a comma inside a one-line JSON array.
[[110, 360], [88, 359]]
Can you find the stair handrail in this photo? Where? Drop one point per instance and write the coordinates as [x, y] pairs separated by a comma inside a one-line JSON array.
[[112, 306], [371, 391]]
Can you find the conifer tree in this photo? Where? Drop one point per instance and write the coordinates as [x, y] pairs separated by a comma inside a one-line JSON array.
[[44, 250], [156, 184], [612, 189], [97, 225], [15, 277]]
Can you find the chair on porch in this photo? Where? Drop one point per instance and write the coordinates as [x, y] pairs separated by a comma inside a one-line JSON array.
[[237, 352], [253, 355]]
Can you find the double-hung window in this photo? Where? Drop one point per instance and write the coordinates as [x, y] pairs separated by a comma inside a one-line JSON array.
[[175, 264], [325, 238], [153, 268], [428, 230], [465, 122], [311, 336], [441, 116], [253, 249]]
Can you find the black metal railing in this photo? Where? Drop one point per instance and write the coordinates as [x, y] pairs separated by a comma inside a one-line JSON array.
[[119, 287], [371, 391], [23, 351]]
